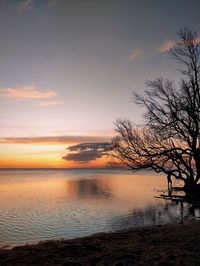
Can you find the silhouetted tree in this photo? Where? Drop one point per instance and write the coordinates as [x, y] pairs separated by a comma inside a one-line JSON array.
[[169, 140]]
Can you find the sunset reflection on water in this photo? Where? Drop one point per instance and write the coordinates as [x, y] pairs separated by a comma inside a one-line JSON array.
[[52, 204]]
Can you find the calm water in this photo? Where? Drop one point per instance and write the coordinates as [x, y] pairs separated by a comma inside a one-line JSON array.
[[53, 204]]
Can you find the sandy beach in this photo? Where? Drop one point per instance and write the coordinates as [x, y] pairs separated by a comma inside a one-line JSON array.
[[177, 244]]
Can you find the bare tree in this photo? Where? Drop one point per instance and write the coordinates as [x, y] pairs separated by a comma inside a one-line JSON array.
[[169, 140]]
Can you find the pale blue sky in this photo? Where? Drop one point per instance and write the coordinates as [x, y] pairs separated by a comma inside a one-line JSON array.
[[91, 54]]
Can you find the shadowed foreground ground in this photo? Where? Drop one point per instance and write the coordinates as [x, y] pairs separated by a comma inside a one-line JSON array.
[[158, 245]]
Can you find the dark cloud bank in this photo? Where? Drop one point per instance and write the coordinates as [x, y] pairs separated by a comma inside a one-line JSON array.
[[86, 152]]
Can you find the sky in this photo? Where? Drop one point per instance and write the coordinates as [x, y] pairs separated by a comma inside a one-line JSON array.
[[68, 69]]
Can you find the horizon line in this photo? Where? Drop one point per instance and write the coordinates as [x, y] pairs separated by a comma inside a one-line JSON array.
[[61, 168]]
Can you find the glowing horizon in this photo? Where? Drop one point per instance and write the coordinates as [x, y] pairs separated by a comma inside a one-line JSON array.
[[68, 70], [45, 152]]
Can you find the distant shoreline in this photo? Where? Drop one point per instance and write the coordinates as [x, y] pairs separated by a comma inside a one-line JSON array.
[[43, 168], [175, 244], [103, 168]]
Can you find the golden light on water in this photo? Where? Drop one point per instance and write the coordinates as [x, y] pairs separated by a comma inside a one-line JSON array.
[[66, 203]]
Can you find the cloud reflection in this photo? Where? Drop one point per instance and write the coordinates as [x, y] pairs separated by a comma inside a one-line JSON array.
[[89, 188]]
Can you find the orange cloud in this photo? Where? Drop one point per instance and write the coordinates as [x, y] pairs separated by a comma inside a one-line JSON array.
[[169, 44], [135, 54], [26, 92], [166, 46]]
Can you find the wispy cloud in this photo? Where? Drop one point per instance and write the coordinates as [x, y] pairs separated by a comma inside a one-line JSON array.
[[166, 46], [136, 54], [53, 139], [26, 5], [86, 152], [49, 103], [26, 92], [169, 44]]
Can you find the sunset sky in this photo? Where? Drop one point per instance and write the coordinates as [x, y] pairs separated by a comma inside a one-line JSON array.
[[68, 69]]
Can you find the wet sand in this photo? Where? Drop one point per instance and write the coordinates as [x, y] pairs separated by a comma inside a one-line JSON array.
[[157, 245]]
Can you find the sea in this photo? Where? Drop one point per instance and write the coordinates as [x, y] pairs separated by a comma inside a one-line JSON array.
[[43, 204]]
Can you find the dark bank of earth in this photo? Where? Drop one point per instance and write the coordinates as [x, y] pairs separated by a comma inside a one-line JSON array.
[[158, 245]]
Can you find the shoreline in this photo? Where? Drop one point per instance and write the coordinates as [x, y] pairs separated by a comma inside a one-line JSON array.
[[173, 244]]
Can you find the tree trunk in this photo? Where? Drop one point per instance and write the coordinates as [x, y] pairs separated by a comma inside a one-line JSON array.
[[191, 188]]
